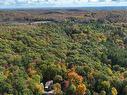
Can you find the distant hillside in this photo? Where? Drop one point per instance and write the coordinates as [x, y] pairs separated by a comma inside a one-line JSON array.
[[109, 14]]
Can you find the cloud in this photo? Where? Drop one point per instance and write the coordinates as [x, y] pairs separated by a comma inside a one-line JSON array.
[[7, 2], [61, 3]]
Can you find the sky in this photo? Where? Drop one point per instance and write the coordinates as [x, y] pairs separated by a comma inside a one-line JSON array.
[[59, 3]]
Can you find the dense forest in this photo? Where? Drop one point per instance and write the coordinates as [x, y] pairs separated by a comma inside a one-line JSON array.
[[73, 57]]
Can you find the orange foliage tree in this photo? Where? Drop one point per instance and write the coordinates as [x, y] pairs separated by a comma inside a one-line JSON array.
[[77, 80], [81, 89], [74, 77]]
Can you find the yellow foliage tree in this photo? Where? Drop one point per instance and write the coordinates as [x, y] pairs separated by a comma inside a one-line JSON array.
[[57, 89], [6, 73], [39, 88], [31, 70], [90, 76], [81, 89], [114, 91], [109, 71]]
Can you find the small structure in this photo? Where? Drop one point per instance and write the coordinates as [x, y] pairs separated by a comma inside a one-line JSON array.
[[49, 92], [48, 88]]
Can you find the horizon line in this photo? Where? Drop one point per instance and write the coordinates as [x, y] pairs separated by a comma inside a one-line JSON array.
[[94, 7]]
